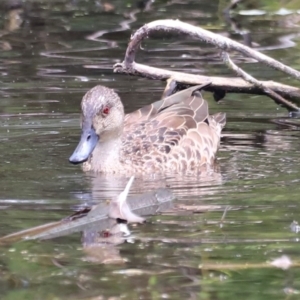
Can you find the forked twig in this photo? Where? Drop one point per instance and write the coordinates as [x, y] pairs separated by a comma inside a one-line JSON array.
[[247, 77]]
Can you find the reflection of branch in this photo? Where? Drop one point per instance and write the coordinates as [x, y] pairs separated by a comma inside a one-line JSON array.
[[129, 66], [275, 96], [232, 5], [235, 25]]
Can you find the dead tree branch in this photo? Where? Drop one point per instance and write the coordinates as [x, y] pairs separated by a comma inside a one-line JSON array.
[[236, 85]]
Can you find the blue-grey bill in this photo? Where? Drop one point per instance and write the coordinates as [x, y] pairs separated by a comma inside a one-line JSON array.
[[87, 144]]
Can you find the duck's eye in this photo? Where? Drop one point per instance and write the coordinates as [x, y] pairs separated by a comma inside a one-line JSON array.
[[105, 110]]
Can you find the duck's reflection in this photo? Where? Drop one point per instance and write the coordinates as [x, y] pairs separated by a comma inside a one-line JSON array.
[[105, 186], [99, 244]]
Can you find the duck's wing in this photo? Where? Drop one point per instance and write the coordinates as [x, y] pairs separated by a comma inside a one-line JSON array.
[[149, 111], [176, 129]]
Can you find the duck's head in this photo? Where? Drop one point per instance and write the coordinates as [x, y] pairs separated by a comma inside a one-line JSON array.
[[102, 119]]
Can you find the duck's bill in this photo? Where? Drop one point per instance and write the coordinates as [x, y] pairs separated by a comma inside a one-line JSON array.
[[87, 144]]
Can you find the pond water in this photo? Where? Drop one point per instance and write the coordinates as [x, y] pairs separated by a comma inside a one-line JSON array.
[[52, 53]]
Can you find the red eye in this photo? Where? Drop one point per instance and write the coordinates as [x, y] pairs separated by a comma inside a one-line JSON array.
[[105, 110]]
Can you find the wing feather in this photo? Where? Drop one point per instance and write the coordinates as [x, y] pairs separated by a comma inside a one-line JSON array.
[[176, 132]]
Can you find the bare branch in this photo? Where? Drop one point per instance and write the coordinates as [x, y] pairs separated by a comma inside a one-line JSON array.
[[234, 85], [209, 37], [229, 85]]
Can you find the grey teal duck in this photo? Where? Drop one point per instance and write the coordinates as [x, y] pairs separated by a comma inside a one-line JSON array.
[[173, 134]]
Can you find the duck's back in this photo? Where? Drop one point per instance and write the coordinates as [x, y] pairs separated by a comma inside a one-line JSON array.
[[173, 134]]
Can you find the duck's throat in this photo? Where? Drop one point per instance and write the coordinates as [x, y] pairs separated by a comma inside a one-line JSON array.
[[106, 156]]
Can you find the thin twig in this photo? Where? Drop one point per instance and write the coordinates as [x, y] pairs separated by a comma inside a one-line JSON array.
[[247, 77]]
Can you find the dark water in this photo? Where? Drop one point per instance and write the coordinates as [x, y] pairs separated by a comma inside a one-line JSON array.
[[47, 63]]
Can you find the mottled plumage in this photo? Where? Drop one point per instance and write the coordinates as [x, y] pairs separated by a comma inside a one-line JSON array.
[[173, 134]]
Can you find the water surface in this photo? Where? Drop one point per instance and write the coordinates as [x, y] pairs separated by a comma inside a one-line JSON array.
[[47, 63]]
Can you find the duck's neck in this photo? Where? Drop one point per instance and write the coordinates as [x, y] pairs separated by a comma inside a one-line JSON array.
[[106, 155]]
